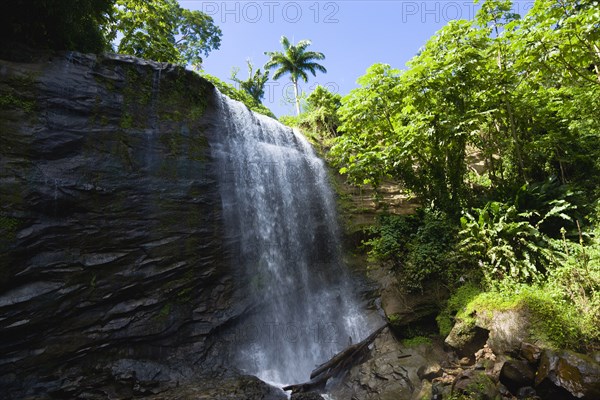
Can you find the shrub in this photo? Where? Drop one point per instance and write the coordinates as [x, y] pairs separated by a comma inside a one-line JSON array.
[[420, 247], [516, 240]]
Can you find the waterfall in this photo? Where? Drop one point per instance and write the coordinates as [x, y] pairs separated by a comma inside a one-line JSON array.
[[280, 217]]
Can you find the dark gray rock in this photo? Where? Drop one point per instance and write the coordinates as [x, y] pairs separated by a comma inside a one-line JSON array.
[[527, 392], [516, 374], [113, 274], [406, 311], [466, 339], [503, 331], [430, 372], [390, 370], [476, 385], [567, 374], [306, 396], [233, 388], [530, 352]]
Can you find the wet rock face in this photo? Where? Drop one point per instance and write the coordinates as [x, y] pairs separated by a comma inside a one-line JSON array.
[[306, 396], [111, 258], [235, 388], [409, 310]]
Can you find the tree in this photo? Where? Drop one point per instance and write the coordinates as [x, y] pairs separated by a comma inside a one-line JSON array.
[[163, 31], [368, 116], [321, 114], [56, 24], [255, 84], [296, 61], [414, 126], [557, 48]]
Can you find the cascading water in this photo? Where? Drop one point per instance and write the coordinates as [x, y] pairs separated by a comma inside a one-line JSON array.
[[280, 216]]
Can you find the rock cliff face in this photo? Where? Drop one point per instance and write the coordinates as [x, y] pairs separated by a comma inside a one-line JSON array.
[[113, 275]]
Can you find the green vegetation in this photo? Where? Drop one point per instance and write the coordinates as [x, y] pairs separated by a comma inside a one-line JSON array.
[[155, 29], [165, 311], [9, 100], [8, 228], [239, 95], [518, 97], [255, 84], [416, 341], [162, 30], [295, 60], [516, 240], [456, 306], [419, 246], [320, 121], [564, 307], [476, 88], [56, 24]]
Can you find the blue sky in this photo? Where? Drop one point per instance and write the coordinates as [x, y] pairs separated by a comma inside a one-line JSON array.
[[353, 34]]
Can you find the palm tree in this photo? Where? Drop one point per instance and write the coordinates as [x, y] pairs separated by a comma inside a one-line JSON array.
[[295, 60], [255, 84]]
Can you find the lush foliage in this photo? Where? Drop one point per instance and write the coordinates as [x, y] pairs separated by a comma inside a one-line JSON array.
[[155, 29], [521, 95], [564, 307], [456, 306], [516, 240], [56, 24], [255, 84], [564, 311], [495, 123], [321, 116], [162, 30], [320, 121], [420, 247], [296, 61], [239, 95]]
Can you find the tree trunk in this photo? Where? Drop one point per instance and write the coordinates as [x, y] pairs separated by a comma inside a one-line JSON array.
[[296, 96], [339, 363], [513, 131]]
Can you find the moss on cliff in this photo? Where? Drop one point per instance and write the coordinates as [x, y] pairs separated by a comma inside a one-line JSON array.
[[239, 95]]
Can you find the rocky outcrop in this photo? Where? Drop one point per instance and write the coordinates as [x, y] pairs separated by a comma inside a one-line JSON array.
[[113, 273], [235, 388], [503, 366], [306, 396], [518, 367], [568, 373], [392, 370]]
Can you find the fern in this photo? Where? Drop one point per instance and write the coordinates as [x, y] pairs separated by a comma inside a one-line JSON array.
[[506, 244]]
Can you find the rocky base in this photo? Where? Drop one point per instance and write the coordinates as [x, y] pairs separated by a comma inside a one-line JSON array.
[[241, 387], [502, 367]]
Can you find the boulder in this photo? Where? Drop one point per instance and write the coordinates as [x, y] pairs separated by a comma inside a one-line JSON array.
[[568, 374], [528, 393], [502, 331], [530, 352], [476, 385], [466, 339], [516, 374], [430, 371], [408, 310], [426, 391]]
